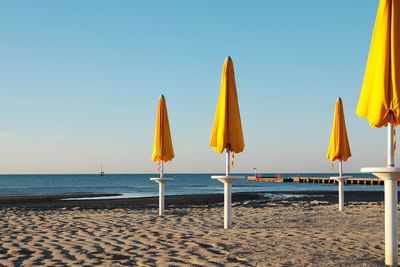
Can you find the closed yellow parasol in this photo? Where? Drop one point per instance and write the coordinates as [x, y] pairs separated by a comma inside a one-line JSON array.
[[379, 103], [380, 93], [227, 131], [162, 150], [339, 148]]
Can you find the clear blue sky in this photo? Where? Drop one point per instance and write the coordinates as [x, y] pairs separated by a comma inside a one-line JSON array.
[[80, 80]]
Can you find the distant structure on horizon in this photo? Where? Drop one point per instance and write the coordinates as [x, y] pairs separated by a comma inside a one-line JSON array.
[[101, 170]]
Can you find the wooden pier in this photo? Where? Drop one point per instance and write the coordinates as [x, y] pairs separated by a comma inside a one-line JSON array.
[[317, 180], [268, 179]]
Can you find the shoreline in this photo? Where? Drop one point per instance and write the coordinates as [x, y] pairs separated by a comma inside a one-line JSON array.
[[239, 198]]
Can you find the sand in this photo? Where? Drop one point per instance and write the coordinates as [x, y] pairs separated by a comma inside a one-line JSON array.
[[265, 233]]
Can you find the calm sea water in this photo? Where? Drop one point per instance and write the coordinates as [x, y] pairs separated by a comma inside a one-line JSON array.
[[139, 185]]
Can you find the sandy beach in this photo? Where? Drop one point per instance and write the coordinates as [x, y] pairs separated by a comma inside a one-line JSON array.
[[269, 230]]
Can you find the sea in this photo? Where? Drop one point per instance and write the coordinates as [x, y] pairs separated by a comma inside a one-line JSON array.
[[139, 185]]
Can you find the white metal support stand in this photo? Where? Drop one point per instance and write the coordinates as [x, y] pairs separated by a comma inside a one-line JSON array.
[[161, 182], [227, 180], [391, 222], [390, 175], [341, 195], [341, 180]]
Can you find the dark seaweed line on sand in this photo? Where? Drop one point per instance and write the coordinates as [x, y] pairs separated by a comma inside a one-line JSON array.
[[254, 198]]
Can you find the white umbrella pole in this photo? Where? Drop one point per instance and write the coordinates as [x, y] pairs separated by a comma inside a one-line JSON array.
[[391, 222], [341, 187], [228, 193], [390, 151], [161, 189], [391, 249], [228, 159], [341, 195]]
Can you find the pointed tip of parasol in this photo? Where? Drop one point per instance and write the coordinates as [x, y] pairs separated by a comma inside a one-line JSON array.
[[229, 58]]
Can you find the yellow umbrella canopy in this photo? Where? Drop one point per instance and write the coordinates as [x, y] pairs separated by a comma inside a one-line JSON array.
[[339, 148], [380, 94], [227, 124], [162, 149]]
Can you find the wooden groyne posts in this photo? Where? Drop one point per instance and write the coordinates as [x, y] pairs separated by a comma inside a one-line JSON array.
[[316, 180]]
